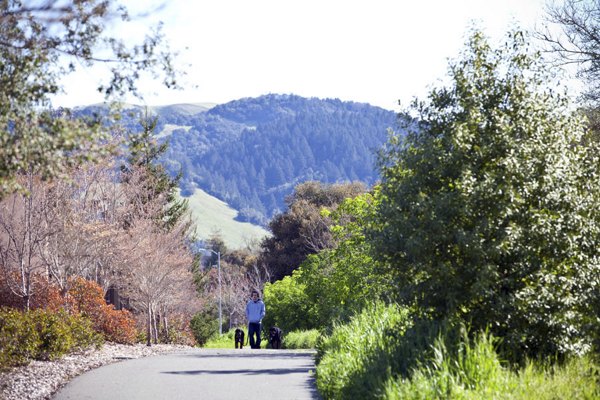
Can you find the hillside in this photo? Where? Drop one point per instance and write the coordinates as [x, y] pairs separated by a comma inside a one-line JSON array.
[[214, 216], [250, 153]]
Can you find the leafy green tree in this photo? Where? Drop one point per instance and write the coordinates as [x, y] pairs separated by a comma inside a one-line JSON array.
[[303, 229], [289, 305], [489, 207], [42, 42], [342, 280]]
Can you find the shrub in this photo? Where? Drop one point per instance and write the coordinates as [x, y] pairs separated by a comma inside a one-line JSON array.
[[115, 325], [54, 333], [179, 331], [118, 325], [46, 295], [84, 335], [204, 325], [19, 339], [42, 334], [289, 306], [301, 339], [61, 333]]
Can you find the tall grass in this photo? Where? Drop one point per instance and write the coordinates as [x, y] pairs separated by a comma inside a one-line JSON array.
[[301, 339], [476, 373], [380, 355], [354, 362]]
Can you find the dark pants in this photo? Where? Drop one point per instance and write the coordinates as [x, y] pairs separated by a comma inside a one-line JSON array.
[[254, 328]]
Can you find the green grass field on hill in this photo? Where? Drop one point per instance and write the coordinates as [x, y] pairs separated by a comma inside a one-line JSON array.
[[213, 216]]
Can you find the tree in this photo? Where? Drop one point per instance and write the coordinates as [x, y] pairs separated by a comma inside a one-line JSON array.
[[489, 208], [342, 280], [86, 214], [290, 306], [36, 39], [239, 276], [303, 229], [580, 40], [144, 154], [579, 45], [159, 269], [23, 230]]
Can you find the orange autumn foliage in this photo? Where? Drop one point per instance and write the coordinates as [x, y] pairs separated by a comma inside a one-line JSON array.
[[88, 299], [45, 296]]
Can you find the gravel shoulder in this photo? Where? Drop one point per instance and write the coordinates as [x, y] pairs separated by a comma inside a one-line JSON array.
[[39, 380]]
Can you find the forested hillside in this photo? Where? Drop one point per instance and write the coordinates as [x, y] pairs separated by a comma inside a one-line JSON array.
[[251, 152]]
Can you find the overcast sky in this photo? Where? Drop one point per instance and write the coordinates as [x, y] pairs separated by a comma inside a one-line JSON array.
[[373, 51]]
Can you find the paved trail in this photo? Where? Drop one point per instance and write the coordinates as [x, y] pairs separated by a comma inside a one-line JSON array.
[[207, 374]]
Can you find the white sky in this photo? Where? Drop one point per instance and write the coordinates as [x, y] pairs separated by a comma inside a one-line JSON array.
[[373, 51]]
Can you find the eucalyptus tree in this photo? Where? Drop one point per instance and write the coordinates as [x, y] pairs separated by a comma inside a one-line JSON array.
[[489, 208]]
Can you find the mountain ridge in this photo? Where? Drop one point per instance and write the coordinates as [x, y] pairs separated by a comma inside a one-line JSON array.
[[251, 152]]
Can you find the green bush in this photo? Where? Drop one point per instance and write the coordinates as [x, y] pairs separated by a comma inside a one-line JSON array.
[[83, 333], [289, 307], [301, 339], [19, 339], [204, 325], [55, 336], [43, 335]]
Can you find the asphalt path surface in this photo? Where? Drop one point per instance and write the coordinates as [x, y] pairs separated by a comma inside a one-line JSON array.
[[207, 374]]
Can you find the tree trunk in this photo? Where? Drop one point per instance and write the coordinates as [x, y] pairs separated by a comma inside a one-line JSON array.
[[165, 327], [149, 326], [154, 327]]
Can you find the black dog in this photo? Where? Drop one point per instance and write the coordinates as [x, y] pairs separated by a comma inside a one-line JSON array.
[[239, 338], [275, 337]]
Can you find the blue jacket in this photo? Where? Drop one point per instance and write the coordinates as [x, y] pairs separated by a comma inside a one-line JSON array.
[[255, 310]]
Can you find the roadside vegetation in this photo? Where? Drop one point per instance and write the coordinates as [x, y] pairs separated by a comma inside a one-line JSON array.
[[86, 211], [470, 271], [305, 340], [479, 248]]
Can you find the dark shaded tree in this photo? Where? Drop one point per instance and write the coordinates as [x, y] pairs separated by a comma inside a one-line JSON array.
[[304, 228]]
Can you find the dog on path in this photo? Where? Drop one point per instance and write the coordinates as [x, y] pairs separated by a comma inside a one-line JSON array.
[[275, 337], [239, 338]]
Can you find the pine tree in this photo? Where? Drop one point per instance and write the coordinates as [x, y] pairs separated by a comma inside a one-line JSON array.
[[145, 153]]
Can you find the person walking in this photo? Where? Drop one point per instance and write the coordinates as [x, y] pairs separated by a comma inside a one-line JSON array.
[[255, 312]]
